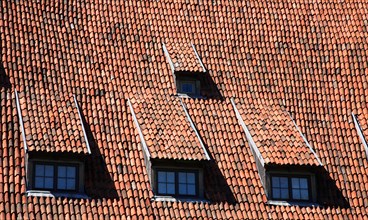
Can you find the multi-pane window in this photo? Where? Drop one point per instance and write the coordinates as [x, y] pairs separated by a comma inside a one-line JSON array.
[[290, 188], [55, 176], [177, 183]]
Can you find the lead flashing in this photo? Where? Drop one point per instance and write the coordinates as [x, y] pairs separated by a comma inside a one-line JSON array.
[[306, 141], [21, 121], [199, 59], [248, 135], [81, 121], [195, 130], [145, 148], [168, 57], [360, 132]]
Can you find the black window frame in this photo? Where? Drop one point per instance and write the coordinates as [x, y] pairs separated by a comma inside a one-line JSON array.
[[55, 177], [290, 188], [176, 183]]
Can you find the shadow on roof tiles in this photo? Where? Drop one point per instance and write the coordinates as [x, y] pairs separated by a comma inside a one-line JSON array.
[[216, 189], [98, 182], [4, 79], [328, 193]]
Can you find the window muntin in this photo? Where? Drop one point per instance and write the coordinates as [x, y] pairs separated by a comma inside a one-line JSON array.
[[177, 183], [290, 188], [55, 177]]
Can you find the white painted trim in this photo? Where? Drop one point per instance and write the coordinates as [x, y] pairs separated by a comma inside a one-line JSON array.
[[360, 133], [21, 121], [195, 130], [292, 203], [81, 121], [248, 135], [306, 141], [168, 57], [39, 193], [199, 59], [145, 148], [173, 199]]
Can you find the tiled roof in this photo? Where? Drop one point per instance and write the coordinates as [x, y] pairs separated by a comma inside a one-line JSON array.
[[303, 58], [275, 135], [52, 123], [167, 130], [183, 57]]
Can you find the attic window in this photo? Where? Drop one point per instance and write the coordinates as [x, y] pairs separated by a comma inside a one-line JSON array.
[[177, 182], [55, 177], [188, 86], [287, 186], [290, 188]]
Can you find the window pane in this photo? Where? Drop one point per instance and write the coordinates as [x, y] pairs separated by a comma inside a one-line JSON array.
[[182, 189], [39, 182], [162, 188], [276, 193], [296, 194], [170, 188], [61, 183], [284, 182], [39, 170], [191, 189], [161, 176], [191, 178], [62, 171], [182, 177], [71, 184], [304, 194], [49, 170], [303, 183], [295, 182], [187, 87], [49, 183], [275, 182], [284, 193], [170, 177], [71, 172]]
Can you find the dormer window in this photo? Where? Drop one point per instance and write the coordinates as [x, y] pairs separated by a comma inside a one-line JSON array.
[[177, 182], [55, 176], [188, 86], [290, 188]]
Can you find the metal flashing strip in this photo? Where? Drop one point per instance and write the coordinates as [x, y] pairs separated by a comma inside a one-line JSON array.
[[199, 59], [305, 140], [248, 135], [195, 130], [360, 133], [145, 148], [81, 121], [168, 57], [21, 121]]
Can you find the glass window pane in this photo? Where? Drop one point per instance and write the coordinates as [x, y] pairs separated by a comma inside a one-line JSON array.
[[162, 188], [276, 193], [71, 184], [191, 178], [295, 182], [182, 177], [39, 170], [39, 182], [161, 176], [187, 87], [182, 189], [71, 172], [284, 182], [170, 188], [170, 177], [296, 194], [191, 189], [284, 193], [61, 183], [304, 194], [61, 171], [275, 182], [49, 170], [49, 183], [303, 183]]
